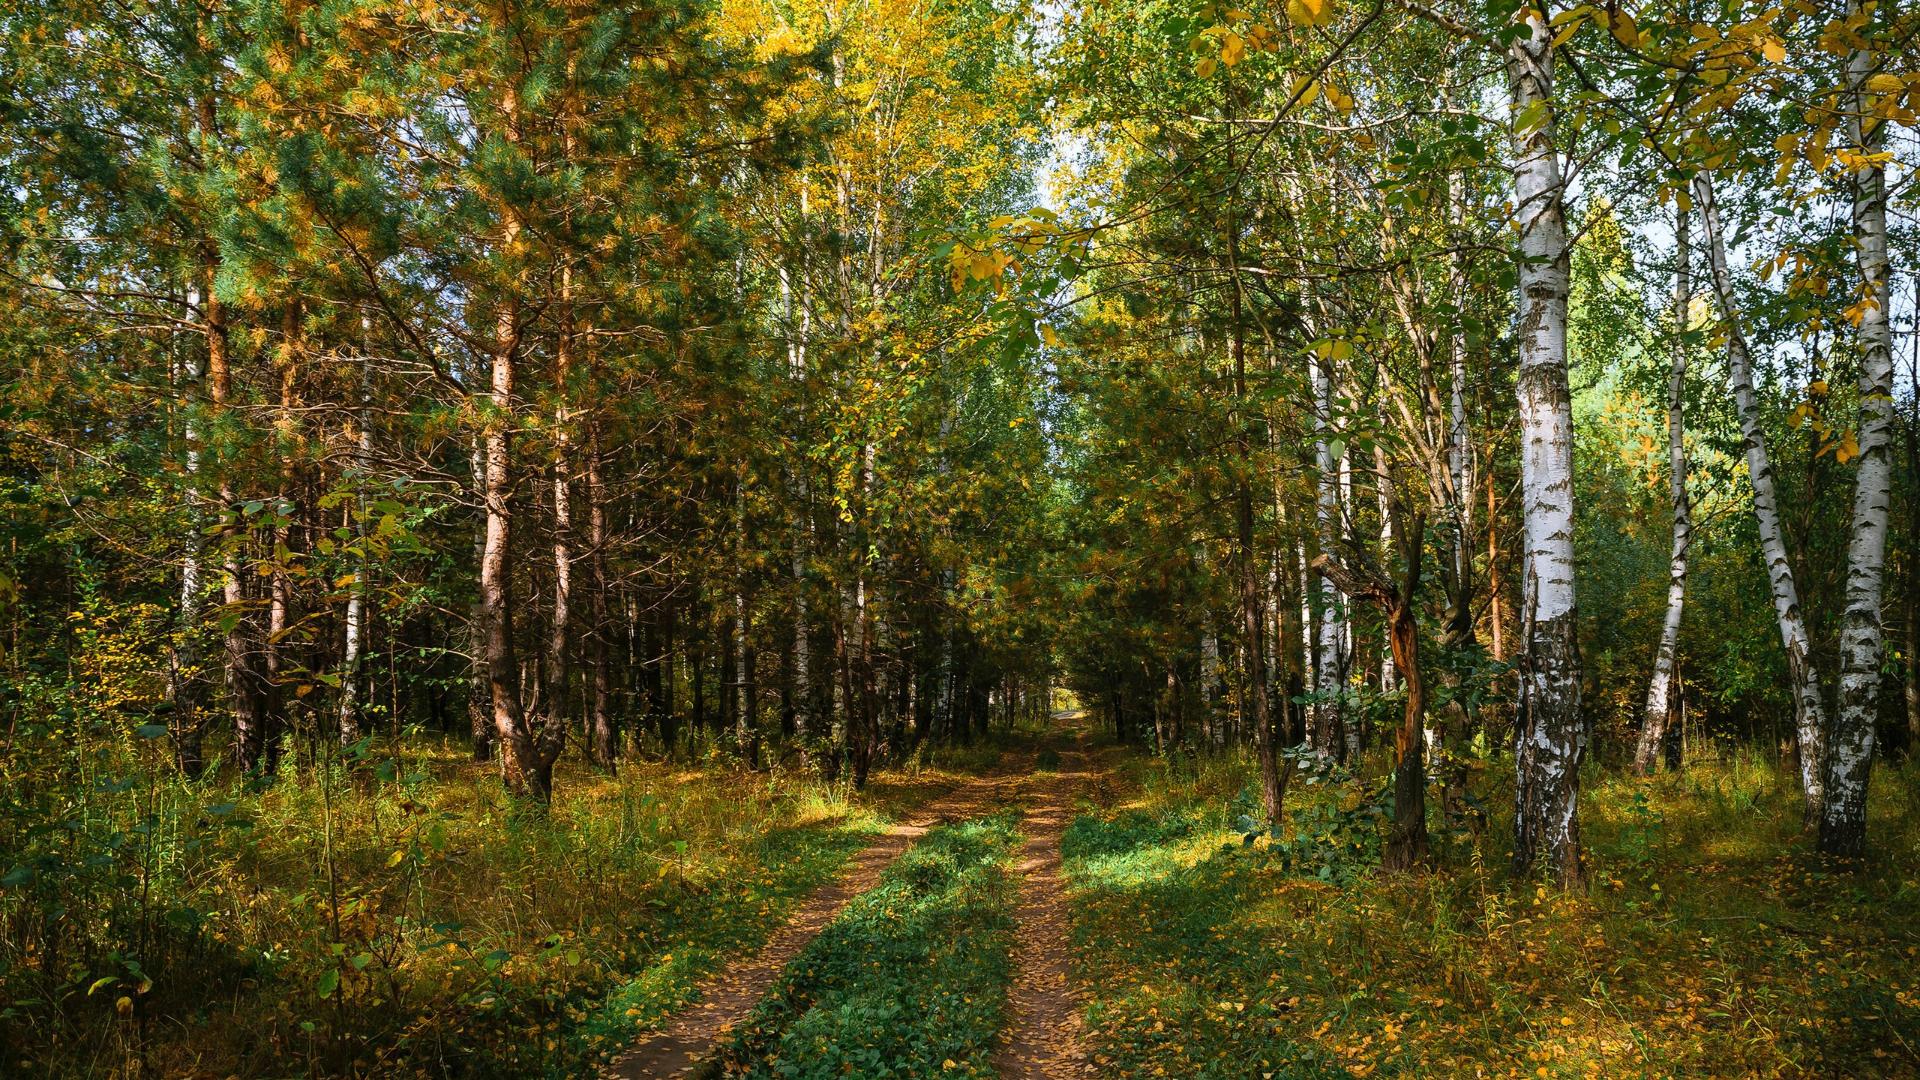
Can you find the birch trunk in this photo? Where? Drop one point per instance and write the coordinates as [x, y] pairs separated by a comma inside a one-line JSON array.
[[1653, 726], [1843, 820], [1913, 548], [1550, 734], [1459, 445], [802, 664], [480, 695], [557, 694], [280, 586], [1328, 681], [185, 679], [1810, 720], [353, 645]]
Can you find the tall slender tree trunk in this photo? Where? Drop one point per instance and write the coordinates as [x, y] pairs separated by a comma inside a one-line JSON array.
[[1496, 585], [1653, 725], [1843, 821], [521, 764], [186, 680], [799, 324], [1551, 735], [558, 694], [745, 727], [1329, 682], [480, 693], [354, 640], [1253, 619], [605, 734], [1810, 714], [1387, 548], [1913, 545], [1459, 444], [1407, 845], [246, 681], [280, 585]]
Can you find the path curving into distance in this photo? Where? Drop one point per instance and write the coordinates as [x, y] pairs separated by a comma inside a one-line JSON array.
[[1044, 1037]]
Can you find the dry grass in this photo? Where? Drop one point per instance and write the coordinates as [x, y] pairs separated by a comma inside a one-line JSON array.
[[395, 914], [1710, 945]]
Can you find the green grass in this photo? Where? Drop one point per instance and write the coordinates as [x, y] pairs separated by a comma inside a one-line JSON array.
[[910, 980], [1710, 944], [398, 917]]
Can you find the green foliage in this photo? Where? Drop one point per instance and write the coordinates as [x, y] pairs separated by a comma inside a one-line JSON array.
[[910, 980]]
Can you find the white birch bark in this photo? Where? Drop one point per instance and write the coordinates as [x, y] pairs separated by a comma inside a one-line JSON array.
[[480, 690], [1653, 726], [1459, 446], [1550, 735], [560, 632], [184, 674], [743, 712], [1810, 720], [1328, 734], [1843, 820], [798, 327], [353, 647]]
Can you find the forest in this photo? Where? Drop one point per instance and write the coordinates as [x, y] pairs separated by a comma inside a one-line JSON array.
[[959, 538]]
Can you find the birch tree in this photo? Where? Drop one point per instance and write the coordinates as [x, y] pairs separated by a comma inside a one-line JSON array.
[[1843, 819], [1810, 712], [1659, 708], [1550, 736]]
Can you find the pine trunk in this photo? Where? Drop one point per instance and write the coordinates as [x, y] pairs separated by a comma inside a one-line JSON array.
[[246, 680], [520, 764], [605, 736]]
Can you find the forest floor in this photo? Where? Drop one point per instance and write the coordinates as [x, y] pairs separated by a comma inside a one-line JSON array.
[[1711, 943], [1048, 907]]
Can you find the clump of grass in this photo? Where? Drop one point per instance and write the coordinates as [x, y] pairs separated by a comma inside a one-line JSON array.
[[910, 980], [1710, 944]]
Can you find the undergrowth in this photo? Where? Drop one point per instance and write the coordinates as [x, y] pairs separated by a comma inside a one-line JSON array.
[[910, 981], [387, 912], [1711, 943]]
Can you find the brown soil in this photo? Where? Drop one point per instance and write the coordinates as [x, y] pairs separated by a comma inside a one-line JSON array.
[[1045, 1038], [684, 1045]]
